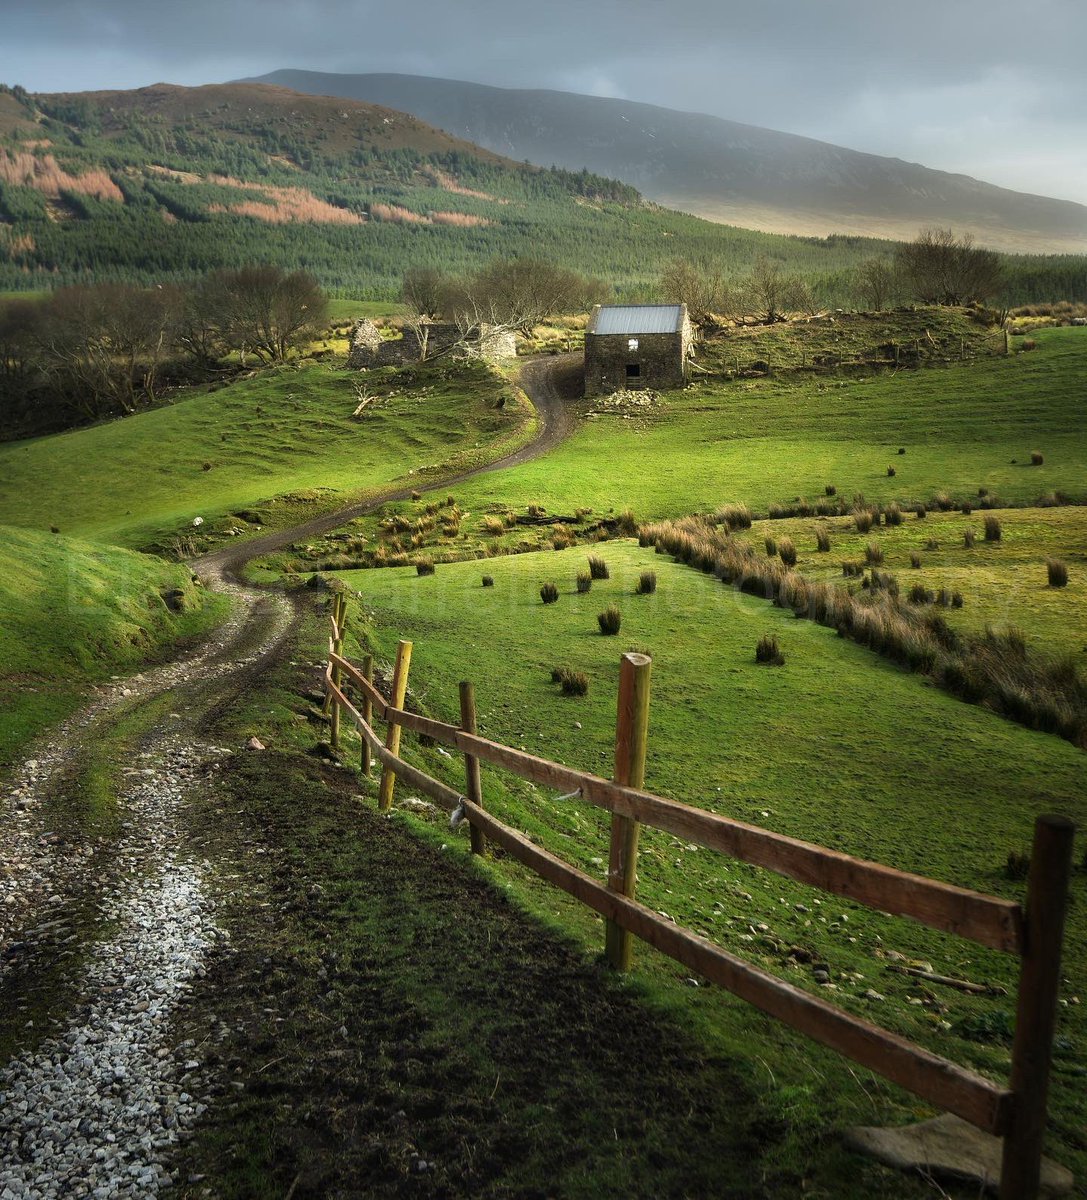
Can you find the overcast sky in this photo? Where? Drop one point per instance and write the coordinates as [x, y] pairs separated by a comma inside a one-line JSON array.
[[997, 89]]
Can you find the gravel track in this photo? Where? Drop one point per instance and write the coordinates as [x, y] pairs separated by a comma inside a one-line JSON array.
[[95, 1108]]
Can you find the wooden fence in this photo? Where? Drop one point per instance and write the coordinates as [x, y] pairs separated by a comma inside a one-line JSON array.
[[1016, 1112]]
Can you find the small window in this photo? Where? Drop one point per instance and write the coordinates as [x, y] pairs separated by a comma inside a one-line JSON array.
[[632, 344], [634, 370]]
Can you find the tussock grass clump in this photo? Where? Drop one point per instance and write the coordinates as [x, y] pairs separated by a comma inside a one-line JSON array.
[[969, 537], [492, 526], [417, 495], [771, 545], [647, 583], [873, 554], [734, 516], [891, 472], [598, 568], [882, 581], [919, 594], [768, 652], [787, 551], [921, 511], [831, 490], [852, 569], [893, 515], [822, 540], [967, 508], [424, 566], [863, 520], [584, 582], [572, 683], [915, 560], [1056, 572], [610, 620], [549, 593], [1036, 458], [626, 523], [488, 581], [993, 530]]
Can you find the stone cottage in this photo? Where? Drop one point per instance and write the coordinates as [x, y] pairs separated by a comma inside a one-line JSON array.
[[636, 346]]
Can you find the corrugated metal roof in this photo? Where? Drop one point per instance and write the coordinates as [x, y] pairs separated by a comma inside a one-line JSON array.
[[638, 318]]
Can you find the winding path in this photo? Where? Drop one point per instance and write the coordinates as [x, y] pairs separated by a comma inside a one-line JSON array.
[[93, 1109]]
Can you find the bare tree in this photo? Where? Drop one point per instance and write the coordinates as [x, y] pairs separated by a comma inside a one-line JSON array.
[[939, 268], [422, 290], [770, 293], [702, 287], [519, 293], [269, 312], [875, 283], [102, 345]]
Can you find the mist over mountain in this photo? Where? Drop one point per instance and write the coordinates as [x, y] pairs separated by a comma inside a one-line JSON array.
[[722, 170]]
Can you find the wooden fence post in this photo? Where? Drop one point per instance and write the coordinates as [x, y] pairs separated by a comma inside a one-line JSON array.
[[631, 733], [472, 783], [398, 692], [339, 618], [1036, 1010], [367, 711]]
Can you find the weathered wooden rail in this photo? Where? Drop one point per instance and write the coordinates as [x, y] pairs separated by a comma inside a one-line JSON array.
[[1016, 1112]]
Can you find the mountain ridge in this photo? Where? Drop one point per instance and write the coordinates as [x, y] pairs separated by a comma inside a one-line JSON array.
[[726, 171]]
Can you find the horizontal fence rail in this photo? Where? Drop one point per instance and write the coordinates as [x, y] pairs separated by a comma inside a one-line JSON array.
[[984, 919], [1015, 1113]]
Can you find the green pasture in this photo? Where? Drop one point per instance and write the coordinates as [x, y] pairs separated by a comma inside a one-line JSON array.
[[278, 447], [765, 441], [836, 747], [72, 613]]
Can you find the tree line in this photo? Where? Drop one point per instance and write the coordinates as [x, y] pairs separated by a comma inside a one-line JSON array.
[[91, 351], [935, 268]]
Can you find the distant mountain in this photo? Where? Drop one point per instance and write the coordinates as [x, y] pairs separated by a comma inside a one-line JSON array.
[[724, 171]]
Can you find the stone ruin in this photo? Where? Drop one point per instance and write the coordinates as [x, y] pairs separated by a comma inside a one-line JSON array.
[[367, 348]]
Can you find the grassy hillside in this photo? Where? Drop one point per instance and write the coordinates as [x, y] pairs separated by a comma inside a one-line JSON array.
[[836, 746], [266, 451], [771, 441], [72, 613]]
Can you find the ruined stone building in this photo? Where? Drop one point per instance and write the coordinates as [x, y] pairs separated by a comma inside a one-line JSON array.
[[369, 349], [636, 346]]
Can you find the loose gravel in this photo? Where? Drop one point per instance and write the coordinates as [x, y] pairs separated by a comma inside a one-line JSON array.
[[95, 1108]]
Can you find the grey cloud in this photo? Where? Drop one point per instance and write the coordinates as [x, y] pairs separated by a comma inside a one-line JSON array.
[[945, 83]]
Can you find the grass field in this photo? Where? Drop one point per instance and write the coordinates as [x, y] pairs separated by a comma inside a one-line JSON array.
[[773, 441], [72, 613], [766, 441], [282, 443], [836, 747]]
